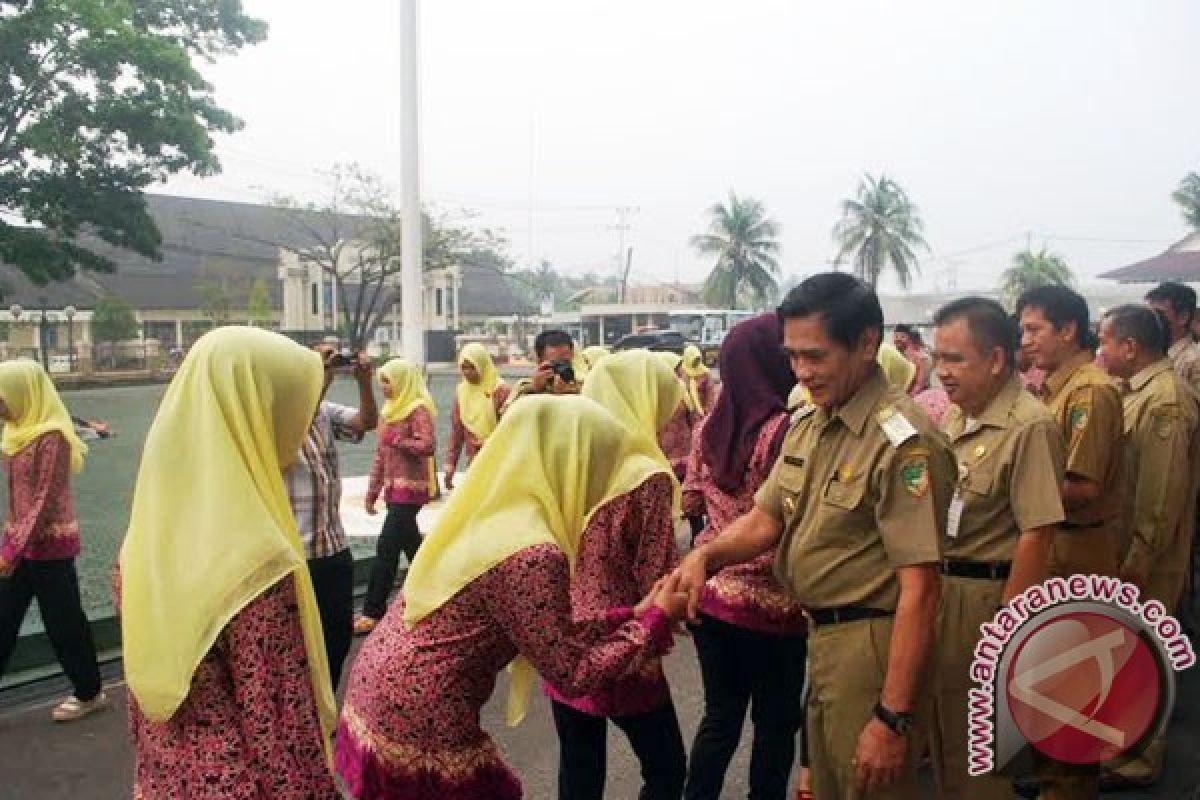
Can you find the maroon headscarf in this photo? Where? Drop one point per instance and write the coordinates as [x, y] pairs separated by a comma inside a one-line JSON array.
[[755, 381]]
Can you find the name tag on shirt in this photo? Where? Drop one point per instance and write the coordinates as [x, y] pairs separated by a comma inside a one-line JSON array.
[[954, 515]]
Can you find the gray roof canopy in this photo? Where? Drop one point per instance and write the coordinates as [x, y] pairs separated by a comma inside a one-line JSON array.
[[215, 240]]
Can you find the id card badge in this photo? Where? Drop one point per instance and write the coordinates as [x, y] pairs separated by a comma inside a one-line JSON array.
[[955, 512], [954, 515]]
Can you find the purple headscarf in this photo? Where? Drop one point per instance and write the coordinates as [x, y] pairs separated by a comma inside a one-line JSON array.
[[755, 381]]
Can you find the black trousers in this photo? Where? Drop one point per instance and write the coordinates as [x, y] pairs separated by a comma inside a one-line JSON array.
[[56, 587], [333, 584], [743, 668], [654, 737], [399, 534]]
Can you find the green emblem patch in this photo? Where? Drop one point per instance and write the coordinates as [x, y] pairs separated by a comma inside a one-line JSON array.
[[1077, 417], [914, 472]]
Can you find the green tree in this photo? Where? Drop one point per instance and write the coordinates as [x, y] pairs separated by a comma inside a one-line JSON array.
[[113, 320], [1188, 198], [880, 227], [100, 99], [258, 302], [1030, 269], [746, 245]]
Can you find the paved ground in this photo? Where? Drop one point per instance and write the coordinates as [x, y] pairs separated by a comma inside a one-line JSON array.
[[90, 760]]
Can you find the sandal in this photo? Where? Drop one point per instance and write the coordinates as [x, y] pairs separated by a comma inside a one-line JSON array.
[[73, 708]]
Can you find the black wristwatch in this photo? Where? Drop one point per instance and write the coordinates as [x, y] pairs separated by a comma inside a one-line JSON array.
[[899, 722]]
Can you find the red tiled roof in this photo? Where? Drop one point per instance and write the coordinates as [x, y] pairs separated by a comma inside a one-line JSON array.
[[1180, 262]]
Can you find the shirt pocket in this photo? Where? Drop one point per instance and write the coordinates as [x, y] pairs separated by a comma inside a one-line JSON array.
[[791, 489], [978, 482], [842, 509]]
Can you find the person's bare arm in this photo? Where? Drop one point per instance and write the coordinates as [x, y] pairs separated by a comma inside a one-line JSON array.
[[1031, 561], [368, 414]]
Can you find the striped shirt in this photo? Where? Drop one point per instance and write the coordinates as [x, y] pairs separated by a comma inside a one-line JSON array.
[[314, 481]]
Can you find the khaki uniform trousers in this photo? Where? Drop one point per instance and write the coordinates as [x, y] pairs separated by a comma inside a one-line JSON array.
[[966, 604], [846, 668], [1166, 587]]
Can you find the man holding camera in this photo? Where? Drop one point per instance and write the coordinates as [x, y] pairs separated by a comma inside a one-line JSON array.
[[555, 374], [314, 484]]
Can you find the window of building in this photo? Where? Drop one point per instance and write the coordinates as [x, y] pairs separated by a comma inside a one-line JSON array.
[[316, 297], [437, 302]]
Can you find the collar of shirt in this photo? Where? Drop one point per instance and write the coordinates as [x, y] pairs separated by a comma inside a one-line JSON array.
[[1177, 349], [1147, 374], [998, 411], [858, 408], [1059, 378]]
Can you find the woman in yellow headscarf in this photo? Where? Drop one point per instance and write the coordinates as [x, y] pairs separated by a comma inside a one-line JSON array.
[[223, 651], [40, 539], [491, 583], [897, 369], [699, 383], [478, 400], [589, 357], [402, 473]]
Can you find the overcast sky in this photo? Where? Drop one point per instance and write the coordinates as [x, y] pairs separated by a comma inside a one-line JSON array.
[[1070, 121]]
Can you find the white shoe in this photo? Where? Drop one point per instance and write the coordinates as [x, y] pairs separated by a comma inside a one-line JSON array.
[[73, 708]]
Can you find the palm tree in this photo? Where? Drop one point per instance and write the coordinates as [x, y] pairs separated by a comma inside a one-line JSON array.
[[746, 244], [880, 226], [1188, 197], [1030, 269]]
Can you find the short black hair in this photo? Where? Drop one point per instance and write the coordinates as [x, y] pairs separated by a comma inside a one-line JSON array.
[[848, 307], [1143, 324], [1059, 305], [551, 338], [989, 324], [910, 331], [1181, 298]]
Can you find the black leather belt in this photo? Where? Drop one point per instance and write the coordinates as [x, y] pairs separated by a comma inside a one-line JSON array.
[[1079, 526], [981, 570], [836, 616]]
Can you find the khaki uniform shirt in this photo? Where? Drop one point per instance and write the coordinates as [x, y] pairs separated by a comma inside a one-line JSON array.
[[1086, 404], [858, 492], [1185, 356], [1161, 419], [1010, 465]]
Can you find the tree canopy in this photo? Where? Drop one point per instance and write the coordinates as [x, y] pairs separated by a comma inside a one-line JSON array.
[[1030, 270], [880, 227], [1188, 198], [745, 242], [99, 100]]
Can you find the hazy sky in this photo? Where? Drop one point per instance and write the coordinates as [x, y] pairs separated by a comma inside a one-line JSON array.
[[1072, 121]]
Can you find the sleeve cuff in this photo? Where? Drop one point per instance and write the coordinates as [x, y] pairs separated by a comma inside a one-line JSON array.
[[617, 617], [659, 630]]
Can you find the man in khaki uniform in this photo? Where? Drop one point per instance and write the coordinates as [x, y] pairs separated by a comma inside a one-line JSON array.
[[1161, 421], [857, 506], [1086, 403], [1177, 303], [1002, 517], [1086, 406]]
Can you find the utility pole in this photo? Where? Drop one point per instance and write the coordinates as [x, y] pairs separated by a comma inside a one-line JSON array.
[[411, 247], [623, 259]]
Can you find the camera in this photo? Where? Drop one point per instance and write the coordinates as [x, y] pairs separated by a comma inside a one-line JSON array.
[[564, 370], [342, 359]]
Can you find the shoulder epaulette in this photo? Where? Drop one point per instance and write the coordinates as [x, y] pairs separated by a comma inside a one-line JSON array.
[[895, 425]]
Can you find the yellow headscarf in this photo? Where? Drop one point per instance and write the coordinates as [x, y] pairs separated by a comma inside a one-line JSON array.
[[551, 463], [641, 390], [476, 406], [694, 369], [408, 391], [591, 356], [673, 361], [34, 409], [898, 370], [408, 394], [211, 526]]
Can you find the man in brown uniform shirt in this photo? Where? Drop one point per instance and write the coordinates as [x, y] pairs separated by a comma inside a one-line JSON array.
[[857, 506], [1002, 517], [1086, 405], [1161, 420]]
